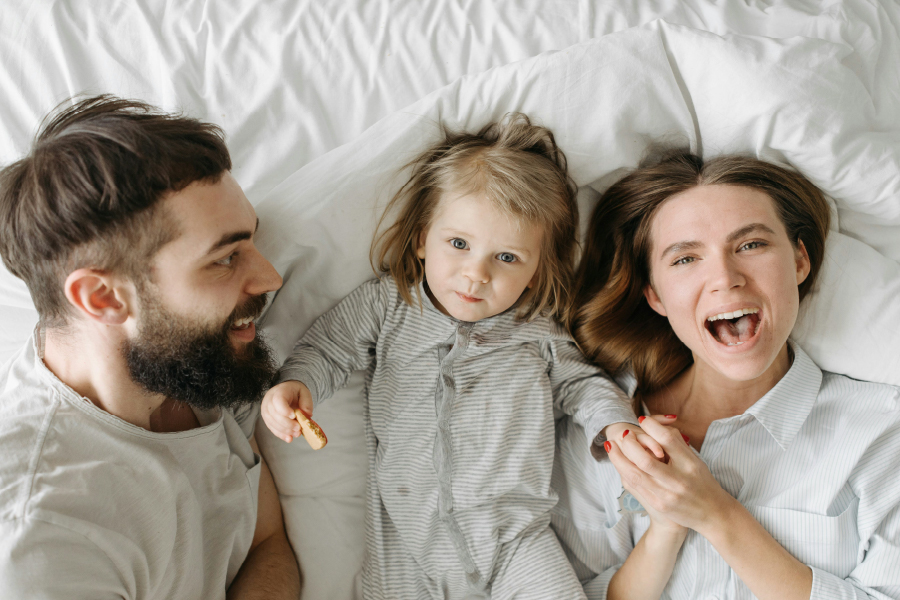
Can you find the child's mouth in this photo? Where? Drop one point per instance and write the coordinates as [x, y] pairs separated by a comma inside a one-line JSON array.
[[734, 329], [465, 298]]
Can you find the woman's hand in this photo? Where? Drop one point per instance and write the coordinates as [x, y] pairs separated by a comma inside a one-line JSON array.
[[681, 490], [647, 569], [659, 523], [616, 432]]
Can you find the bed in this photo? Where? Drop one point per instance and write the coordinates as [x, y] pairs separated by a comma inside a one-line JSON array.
[[324, 101]]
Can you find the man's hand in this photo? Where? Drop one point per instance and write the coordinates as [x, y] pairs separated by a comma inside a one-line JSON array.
[[278, 408]]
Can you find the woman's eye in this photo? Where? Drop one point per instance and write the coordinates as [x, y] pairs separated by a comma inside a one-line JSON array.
[[752, 245], [459, 243], [684, 260], [507, 257]]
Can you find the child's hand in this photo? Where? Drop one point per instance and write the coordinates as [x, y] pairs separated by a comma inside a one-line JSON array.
[[617, 431], [278, 408]]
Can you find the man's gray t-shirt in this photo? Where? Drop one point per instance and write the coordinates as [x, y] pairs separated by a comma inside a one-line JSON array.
[[92, 507]]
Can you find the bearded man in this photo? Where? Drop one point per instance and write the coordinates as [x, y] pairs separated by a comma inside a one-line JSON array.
[[129, 468]]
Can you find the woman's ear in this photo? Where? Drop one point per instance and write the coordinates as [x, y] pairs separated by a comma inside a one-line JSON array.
[[653, 300], [801, 256], [99, 296]]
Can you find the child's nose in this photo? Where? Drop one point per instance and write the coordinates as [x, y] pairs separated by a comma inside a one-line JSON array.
[[476, 270]]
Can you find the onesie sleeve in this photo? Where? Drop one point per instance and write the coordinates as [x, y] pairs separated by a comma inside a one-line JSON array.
[[339, 342], [582, 389]]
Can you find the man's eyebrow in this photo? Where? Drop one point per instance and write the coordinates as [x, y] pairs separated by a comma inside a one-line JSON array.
[[739, 233], [233, 237]]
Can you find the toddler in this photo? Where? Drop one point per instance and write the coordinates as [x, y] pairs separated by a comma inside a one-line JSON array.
[[466, 366]]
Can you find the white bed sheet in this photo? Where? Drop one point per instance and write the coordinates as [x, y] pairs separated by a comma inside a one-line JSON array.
[[292, 80]]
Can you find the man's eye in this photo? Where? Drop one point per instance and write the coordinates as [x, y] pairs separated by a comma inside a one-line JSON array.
[[226, 262], [507, 257], [459, 243]]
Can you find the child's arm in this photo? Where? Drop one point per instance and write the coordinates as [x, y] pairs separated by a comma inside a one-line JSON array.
[[339, 342], [583, 390]]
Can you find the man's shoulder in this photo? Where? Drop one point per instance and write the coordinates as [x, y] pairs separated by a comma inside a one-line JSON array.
[[27, 407]]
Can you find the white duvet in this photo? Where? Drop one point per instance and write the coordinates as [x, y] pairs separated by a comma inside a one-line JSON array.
[[812, 84]]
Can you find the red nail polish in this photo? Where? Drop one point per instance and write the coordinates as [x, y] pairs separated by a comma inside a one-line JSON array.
[[641, 419], [687, 440], [625, 432], [607, 446], [671, 416]]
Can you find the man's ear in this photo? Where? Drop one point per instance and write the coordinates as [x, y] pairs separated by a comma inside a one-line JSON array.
[[802, 259], [100, 296], [653, 300]]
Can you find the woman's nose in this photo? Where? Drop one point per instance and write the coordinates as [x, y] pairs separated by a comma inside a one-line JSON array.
[[726, 275]]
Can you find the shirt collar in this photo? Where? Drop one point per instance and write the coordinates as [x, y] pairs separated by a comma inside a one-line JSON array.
[[784, 409]]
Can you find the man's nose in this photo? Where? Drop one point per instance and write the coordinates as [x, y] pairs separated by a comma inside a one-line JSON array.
[[263, 277]]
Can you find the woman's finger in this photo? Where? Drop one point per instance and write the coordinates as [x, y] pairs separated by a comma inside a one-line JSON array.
[[669, 438], [633, 478], [638, 455]]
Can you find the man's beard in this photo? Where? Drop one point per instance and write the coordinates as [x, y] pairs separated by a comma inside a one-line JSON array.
[[196, 364]]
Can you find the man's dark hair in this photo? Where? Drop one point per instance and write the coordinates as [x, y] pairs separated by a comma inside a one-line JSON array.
[[87, 195]]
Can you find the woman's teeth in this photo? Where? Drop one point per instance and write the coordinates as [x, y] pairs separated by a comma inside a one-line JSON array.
[[734, 315]]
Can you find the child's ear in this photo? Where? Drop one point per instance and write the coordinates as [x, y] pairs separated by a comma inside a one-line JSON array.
[[420, 245]]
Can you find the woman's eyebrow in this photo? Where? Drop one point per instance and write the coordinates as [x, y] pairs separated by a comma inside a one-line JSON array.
[[747, 229], [732, 237], [680, 247]]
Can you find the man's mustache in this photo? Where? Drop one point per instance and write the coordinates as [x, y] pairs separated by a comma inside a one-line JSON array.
[[251, 308]]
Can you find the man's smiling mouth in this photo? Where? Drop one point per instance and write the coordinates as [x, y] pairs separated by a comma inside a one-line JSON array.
[[734, 328]]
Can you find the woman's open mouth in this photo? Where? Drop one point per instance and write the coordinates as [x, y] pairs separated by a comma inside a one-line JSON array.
[[734, 328]]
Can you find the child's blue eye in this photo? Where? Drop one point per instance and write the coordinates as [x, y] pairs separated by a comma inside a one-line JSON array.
[[459, 243], [507, 257]]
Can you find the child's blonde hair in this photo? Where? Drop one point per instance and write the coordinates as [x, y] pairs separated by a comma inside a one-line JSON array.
[[519, 168]]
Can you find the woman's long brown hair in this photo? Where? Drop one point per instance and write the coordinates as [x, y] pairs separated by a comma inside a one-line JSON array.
[[609, 317]]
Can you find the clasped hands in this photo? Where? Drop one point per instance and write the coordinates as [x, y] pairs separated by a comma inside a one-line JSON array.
[[676, 489]]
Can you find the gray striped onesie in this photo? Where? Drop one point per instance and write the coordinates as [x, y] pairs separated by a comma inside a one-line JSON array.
[[460, 439]]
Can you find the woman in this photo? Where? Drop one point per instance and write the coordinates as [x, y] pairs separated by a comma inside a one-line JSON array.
[[788, 486]]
